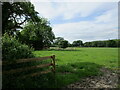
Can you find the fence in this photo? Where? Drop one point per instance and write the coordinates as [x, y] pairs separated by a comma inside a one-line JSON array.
[[32, 67]]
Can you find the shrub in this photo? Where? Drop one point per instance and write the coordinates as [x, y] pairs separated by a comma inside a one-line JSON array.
[[12, 49]]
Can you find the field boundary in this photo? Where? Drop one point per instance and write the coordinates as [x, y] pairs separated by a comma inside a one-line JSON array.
[[32, 67]]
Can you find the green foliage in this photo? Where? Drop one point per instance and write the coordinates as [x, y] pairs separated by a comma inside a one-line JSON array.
[[12, 49], [107, 43], [63, 44], [58, 40], [16, 14], [111, 43], [77, 43], [70, 45], [37, 35]]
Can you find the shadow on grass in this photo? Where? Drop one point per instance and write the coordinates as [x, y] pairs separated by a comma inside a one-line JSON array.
[[65, 75], [71, 73]]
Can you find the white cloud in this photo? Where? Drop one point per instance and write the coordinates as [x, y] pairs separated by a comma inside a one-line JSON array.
[[68, 10], [85, 31], [74, 0], [109, 16], [103, 27], [45, 9]]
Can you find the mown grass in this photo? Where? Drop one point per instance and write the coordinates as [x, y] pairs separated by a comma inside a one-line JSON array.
[[72, 64]]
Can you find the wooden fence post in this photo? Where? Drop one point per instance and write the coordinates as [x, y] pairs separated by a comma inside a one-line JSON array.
[[54, 69], [53, 58]]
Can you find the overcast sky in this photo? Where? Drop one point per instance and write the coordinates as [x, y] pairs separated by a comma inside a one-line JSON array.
[[86, 21]]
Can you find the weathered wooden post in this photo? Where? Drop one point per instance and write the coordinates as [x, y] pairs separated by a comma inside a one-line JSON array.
[[54, 69], [54, 63]]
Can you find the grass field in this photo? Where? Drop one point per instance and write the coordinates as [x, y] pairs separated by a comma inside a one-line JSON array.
[[72, 64], [107, 57], [76, 63]]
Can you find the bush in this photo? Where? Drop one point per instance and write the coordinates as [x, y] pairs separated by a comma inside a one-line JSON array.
[[12, 49]]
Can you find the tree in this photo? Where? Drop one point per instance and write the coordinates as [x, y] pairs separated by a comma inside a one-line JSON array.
[[37, 35], [118, 42], [58, 40], [12, 49], [69, 44], [63, 44], [106, 43], [77, 43], [14, 15], [111, 43]]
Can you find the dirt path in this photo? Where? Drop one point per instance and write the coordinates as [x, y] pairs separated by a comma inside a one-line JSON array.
[[109, 79]]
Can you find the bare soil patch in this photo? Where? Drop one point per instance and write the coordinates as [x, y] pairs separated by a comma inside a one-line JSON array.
[[109, 79]]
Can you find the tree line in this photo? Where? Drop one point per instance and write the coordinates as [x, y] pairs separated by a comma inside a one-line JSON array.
[[60, 42], [105, 43]]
